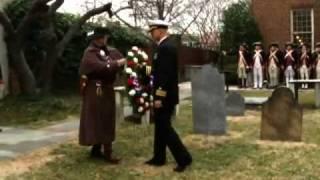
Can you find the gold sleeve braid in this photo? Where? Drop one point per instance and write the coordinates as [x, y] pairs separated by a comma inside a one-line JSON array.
[[161, 93]]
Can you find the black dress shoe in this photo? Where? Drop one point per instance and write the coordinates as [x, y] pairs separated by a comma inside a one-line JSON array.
[[153, 162], [182, 168]]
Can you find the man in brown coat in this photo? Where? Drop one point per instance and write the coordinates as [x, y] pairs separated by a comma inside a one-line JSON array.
[[98, 70]]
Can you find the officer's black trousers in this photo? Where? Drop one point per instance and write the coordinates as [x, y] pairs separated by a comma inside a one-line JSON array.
[[165, 135]]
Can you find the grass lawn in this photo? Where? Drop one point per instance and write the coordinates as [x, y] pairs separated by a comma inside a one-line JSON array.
[[16, 111], [239, 155], [46, 110]]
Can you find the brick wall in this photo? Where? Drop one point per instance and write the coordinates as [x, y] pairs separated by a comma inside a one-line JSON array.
[[273, 18], [317, 21]]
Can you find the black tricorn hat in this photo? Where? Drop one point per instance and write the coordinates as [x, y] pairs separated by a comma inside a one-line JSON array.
[[245, 45], [305, 44], [98, 33], [257, 44], [289, 44], [274, 44]]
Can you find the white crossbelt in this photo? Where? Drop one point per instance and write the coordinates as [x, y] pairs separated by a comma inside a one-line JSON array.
[[273, 56], [289, 55], [242, 59]]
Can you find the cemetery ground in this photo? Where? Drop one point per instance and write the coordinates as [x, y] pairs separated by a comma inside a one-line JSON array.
[[37, 112], [238, 155]]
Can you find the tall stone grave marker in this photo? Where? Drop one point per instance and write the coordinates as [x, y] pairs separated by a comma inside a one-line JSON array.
[[208, 101]]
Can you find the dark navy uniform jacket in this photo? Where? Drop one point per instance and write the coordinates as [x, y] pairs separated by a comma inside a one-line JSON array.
[[165, 73]]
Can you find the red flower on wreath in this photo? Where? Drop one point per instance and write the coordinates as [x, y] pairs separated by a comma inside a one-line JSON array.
[[139, 81], [130, 82]]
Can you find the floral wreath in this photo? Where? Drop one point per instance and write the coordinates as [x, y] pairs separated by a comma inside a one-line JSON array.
[[139, 85]]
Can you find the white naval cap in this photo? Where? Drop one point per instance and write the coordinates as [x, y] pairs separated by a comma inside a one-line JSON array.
[[154, 24]]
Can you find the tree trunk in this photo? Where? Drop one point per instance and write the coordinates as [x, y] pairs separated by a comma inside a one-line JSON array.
[[26, 78], [54, 53], [50, 41], [50, 63]]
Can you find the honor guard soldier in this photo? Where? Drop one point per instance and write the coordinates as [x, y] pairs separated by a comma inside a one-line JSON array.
[[275, 57], [316, 61], [243, 65], [305, 59], [290, 61], [258, 62]]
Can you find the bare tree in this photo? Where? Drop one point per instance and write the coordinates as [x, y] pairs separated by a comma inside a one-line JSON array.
[[15, 38], [175, 11], [125, 6], [101, 18], [168, 10], [57, 47], [207, 25], [41, 11]]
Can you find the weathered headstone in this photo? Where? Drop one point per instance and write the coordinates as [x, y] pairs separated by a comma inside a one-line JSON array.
[[317, 95], [235, 104], [281, 117], [250, 79], [208, 100], [191, 71], [119, 95]]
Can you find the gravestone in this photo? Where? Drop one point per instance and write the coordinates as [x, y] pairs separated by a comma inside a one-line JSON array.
[[250, 79], [235, 104], [281, 117], [120, 93], [208, 101]]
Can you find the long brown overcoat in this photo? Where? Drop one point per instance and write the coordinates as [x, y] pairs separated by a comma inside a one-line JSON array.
[[97, 122]]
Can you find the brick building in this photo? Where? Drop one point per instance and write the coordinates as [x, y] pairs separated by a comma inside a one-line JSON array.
[[288, 20]]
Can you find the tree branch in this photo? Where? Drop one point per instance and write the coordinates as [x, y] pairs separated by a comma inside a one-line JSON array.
[[75, 27], [55, 6], [6, 23], [121, 9], [124, 22], [38, 9], [132, 27], [195, 18], [96, 11], [172, 4], [43, 1]]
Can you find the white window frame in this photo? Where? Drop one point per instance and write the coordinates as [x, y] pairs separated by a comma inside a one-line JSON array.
[[312, 27]]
